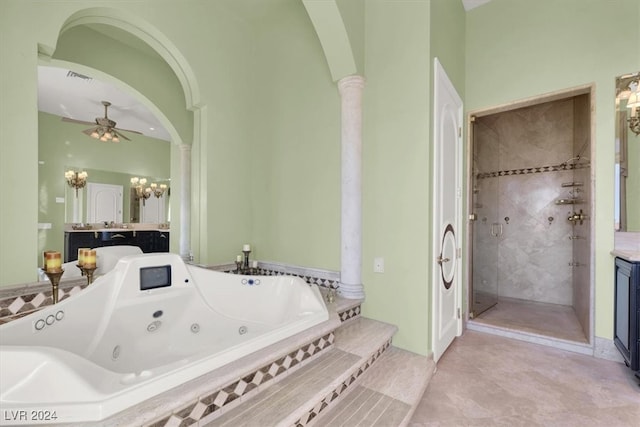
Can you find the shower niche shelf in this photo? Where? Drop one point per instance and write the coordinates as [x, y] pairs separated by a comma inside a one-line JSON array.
[[569, 201]]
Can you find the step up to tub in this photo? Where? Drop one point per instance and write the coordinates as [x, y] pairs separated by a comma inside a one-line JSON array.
[[387, 395], [357, 368]]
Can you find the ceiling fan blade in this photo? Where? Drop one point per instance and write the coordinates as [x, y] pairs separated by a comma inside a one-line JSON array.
[[119, 135], [81, 122], [129, 130]]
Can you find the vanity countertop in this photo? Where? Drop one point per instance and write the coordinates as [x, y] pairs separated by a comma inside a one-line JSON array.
[[632, 256], [118, 230], [627, 246]]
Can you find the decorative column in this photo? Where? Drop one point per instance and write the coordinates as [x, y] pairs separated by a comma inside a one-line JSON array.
[[185, 202], [350, 89]]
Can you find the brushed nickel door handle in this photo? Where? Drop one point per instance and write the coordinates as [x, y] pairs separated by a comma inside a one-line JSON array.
[[441, 260]]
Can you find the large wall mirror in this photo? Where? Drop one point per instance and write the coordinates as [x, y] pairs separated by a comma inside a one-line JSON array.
[[136, 203], [627, 167]]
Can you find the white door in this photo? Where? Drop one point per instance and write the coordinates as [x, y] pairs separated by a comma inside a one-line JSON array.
[[104, 202], [447, 166], [152, 209]]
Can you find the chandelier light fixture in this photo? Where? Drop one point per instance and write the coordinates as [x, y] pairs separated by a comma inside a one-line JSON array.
[[76, 180]]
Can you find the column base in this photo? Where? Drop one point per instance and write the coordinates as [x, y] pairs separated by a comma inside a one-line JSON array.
[[351, 291]]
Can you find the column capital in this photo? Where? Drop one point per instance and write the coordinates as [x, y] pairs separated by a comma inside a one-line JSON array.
[[353, 81], [185, 147]]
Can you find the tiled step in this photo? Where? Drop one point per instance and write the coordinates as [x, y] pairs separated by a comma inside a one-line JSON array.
[[318, 386], [387, 394]]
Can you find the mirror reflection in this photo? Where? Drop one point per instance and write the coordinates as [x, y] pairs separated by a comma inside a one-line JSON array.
[[117, 197], [627, 166]]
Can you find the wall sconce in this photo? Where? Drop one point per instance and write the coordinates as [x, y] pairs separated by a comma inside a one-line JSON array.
[[158, 191], [633, 102], [141, 192], [76, 180]]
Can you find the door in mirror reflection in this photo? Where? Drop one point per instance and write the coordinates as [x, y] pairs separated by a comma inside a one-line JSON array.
[[104, 203], [152, 210]]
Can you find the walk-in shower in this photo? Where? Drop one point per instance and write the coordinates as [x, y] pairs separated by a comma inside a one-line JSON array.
[[530, 217]]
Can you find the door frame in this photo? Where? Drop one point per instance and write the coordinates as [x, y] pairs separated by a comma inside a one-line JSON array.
[[440, 77], [512, 105]]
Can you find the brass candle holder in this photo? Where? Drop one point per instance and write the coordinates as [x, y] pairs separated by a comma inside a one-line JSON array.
[[81, 268], [54, 278], [88, 271]]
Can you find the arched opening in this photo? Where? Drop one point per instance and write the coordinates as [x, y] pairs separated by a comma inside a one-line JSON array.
[[134, 55]]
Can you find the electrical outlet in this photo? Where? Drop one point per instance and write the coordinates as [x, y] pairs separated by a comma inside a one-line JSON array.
[[378, 265]]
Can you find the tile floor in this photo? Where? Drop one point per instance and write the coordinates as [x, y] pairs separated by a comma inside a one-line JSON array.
[[488, 380], [552, 320]]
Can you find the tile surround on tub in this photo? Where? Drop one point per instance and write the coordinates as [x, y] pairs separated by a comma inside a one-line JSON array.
[[20, 300]]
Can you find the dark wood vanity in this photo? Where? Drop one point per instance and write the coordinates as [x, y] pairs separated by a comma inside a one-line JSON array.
[[147, 240], [627, 312]]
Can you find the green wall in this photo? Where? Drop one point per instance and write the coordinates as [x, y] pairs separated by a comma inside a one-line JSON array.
[[295, 148], [396, 168], [517, 49]]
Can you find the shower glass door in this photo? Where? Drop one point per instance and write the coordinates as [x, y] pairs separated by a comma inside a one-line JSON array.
[[486, 227]]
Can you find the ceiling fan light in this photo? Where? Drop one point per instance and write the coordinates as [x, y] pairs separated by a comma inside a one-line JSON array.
[[108, 135], [115, 139], [103, 139], [95, 134]]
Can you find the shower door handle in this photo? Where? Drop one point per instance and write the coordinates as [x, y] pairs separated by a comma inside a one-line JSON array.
[[496, 229]]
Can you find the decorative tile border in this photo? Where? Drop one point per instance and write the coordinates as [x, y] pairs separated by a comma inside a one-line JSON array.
[[329, 283], [15, 307], [349, 314], [539, 169], [212, 402], [335, 394]]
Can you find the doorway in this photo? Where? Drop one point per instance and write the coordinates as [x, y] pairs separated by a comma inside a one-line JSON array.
[[530, 218]]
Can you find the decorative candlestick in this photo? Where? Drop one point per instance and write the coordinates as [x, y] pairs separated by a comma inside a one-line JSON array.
[[54, 278], [88, 271], [246, 249], [80, 267]]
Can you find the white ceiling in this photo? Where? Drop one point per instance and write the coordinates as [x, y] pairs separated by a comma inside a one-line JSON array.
[[81, 99]]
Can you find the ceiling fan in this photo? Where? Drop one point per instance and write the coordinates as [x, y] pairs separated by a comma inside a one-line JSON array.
[[106, 128]]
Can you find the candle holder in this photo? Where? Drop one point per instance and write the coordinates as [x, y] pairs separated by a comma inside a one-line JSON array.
[[245, 264], [81, 268], [238, 267], [88, 271], [54, 278]]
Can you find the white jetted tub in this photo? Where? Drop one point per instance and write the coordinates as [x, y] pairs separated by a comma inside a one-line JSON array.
[[149, 325]]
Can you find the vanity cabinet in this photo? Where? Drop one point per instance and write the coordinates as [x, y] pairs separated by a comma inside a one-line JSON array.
[[147, 240], [627, 311]]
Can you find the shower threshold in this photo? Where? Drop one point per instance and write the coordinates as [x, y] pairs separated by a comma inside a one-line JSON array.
[[549, 324]]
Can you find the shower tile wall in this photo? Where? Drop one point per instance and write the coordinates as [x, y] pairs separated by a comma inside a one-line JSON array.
[[582, 245], [533, 252]]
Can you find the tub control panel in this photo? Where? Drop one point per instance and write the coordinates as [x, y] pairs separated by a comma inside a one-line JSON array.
[[155, 277], [41, 323]]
